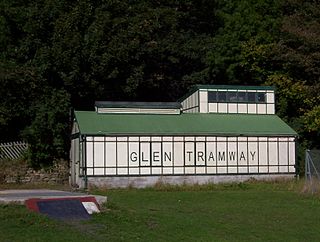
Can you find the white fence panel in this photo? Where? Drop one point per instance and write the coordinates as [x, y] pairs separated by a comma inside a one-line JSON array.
[[12, 150]]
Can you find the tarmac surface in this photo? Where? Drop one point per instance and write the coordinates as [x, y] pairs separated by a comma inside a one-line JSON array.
[[20, 196]]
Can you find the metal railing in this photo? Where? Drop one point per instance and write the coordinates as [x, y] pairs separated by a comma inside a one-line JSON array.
[[12, 150], [312, 170]]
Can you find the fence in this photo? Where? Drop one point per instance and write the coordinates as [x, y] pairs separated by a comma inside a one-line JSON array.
[[12, 150], [312, 170]]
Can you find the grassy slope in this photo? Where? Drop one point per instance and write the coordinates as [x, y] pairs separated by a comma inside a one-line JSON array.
[[232, 213]]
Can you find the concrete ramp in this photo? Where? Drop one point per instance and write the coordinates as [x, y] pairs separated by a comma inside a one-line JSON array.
[[20, 196]]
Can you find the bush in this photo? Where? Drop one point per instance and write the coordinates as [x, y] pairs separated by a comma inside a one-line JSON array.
[[47, 135]]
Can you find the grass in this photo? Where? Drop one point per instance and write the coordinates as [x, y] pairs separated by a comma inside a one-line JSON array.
[[236, 212]]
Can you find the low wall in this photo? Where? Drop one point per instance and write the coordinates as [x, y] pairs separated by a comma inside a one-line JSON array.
[[147, 181], [19, 172]]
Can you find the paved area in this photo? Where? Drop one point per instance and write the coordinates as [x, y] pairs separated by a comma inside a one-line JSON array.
[[19, 196]]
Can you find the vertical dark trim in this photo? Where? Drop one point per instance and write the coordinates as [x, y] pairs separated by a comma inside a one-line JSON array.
[[80, 155], [199, 101], [278, 156], [227, 154], [248, 167], [208, 111], [265, 101], [247, 103], [256, 103], [128, 155], [150, 155], [217, 102], [205, 155], [173, 159], [256, 100], [161, 148], [228, 103], [268, 157], [237, 101], [85, 164], [216, 139], [237, 142], [116, 154], [296, 157], [93, 167], [139, 142], [258, 151], [195, 153], [288, 154], [184, 155], [104, 155]]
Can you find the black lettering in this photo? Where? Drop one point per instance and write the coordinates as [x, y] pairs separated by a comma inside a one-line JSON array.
[[221, 156], [232, 155], [200, 155], [142, 156], [252, 154], [242, 156], [166, 155], [156, 156], [133, 156], [190, 153], [211, 156]]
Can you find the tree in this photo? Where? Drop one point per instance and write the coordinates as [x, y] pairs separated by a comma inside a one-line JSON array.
[[299, 46], [75, 52], [242, 22], [47, 135], [18, 87]]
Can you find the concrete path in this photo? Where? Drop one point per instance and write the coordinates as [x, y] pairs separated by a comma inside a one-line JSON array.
[[19, 196]]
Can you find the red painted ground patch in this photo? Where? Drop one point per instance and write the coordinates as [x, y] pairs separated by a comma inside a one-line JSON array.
[[67, 208]]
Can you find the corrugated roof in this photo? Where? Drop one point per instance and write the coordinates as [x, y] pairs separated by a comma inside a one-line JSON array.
[[184, 124]]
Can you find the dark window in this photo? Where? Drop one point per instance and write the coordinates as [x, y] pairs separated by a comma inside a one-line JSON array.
[[212, 97], [222, 96], [261, 97], [242, 96], [251, 97], [232, 97]]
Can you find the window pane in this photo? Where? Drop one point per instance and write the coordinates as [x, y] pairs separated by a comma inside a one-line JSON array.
[[261, 97], [251, 97], [232, 97], [212, 97], [242, 97], [222, 96]]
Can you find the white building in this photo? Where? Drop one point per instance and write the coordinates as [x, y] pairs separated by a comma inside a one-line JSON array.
[[213, 134]]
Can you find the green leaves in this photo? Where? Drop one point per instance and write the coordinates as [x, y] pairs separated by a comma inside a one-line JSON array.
[[299, 47], [74, 53], [47, 135]]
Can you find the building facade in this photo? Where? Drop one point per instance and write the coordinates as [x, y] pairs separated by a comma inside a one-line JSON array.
[[213, 134]]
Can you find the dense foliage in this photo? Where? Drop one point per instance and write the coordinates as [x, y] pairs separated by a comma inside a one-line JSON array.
[[57, 54]]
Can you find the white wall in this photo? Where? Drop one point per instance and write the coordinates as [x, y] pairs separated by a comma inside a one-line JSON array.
[[139, 110], [191, 103], [74, 155], [181, 155], [246, 108]]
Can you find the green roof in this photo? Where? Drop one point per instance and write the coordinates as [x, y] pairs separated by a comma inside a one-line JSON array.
[[92, 123]]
